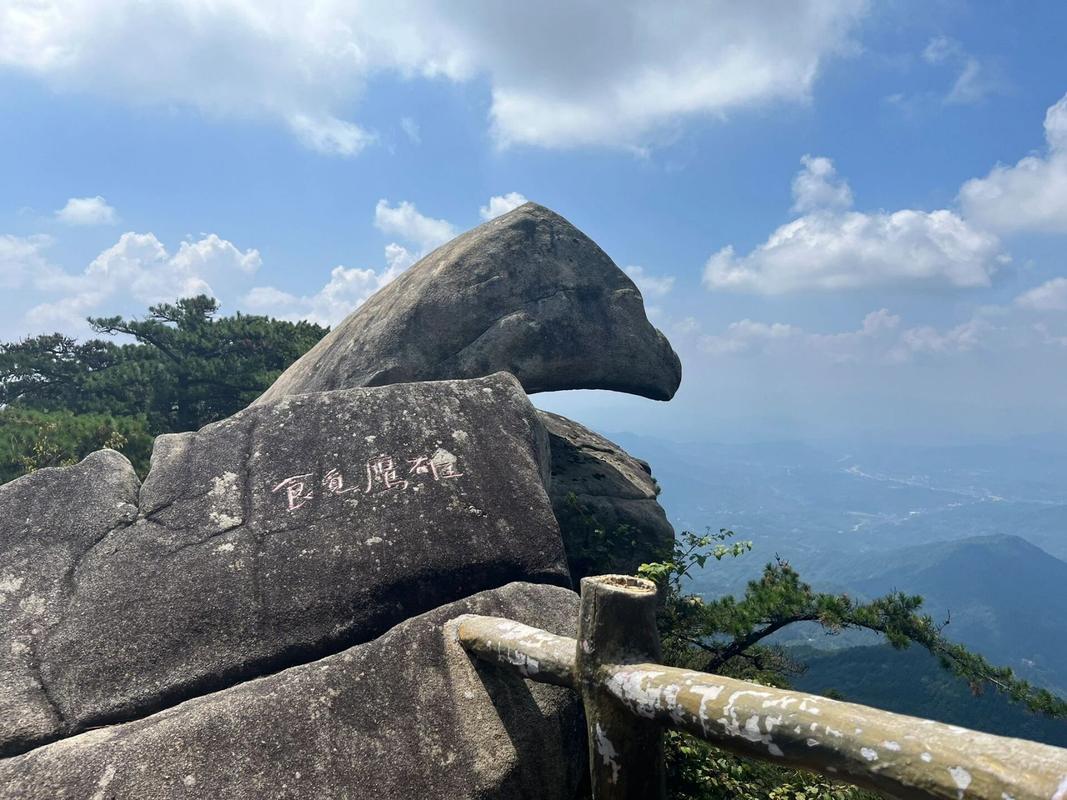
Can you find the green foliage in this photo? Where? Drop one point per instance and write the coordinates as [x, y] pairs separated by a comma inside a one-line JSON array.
[[183, 368], [912, 682], [727, 632], [698, 771], [32, 440], [54, 372], [727, 636], [198, 369]]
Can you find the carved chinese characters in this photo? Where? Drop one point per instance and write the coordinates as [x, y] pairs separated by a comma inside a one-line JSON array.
[[383, 473]]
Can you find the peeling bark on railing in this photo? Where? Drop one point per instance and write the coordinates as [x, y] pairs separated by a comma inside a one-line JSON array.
[[901, 756], [904, 757], [536, 654]]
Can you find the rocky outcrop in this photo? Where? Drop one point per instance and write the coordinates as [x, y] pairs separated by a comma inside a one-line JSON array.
[[598, 485], [286, 532], [527, 293], [218, 619], [409, 715], [49, 521]]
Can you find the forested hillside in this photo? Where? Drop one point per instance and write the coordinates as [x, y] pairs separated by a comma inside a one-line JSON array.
[[1001, 595], [179, 368]]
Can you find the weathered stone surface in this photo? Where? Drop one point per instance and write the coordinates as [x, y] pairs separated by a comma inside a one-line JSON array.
[[281, 534], [49, 520], [610, 485], [526, 292], [409, 715]]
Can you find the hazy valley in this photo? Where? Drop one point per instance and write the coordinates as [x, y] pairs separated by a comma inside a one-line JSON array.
[[980, 532]]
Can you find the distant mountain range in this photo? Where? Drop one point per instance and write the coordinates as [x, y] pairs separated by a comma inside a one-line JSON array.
[[1004, 597], [979, 532]]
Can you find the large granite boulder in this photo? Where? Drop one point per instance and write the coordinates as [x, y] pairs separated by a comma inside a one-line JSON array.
[[284, 533], [49, 521], [526, 292], [408, 715], [597, 486]]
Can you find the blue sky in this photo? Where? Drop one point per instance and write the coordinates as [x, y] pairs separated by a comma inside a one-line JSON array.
[[891, 178]]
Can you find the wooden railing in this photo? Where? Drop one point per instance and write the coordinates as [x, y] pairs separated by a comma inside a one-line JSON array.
[[629, 699]]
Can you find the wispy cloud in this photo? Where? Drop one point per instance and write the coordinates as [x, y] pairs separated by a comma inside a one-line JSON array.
[[973, 81]]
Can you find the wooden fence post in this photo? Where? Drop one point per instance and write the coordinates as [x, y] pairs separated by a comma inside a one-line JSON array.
[[617, 626]]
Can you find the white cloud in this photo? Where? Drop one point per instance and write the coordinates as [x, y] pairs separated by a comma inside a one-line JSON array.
[[329, 135], [832, 248], [346, 290], [747, 335], [928, 339], [872, 339], [138, 269], [880, 339], [87, 211], [559, 74], [398, 257], [501, 204], [686, 326], [1049, 296], [1011, 330], [1032, 195], [970, 86], [817, 186], [650, 285], [405, 221], [67, 314], [617, 79], [21, 258], [204, 255], [973, 81], [940, 48]]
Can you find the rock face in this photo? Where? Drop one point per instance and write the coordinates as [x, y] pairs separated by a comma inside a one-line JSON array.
[[49, 521], [281, 534], [527, 293], [408, 715], [607, 484]]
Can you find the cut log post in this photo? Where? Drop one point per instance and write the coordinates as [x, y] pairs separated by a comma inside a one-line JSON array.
[[616, 627]]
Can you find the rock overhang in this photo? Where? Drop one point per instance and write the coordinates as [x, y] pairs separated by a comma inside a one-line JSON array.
[[526, 292]]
